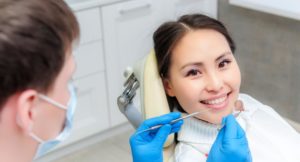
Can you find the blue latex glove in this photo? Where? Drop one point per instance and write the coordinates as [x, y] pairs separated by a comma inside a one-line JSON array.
[[148, 146], [231, 144]]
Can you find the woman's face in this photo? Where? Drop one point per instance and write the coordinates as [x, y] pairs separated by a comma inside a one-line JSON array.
[[204, 75]]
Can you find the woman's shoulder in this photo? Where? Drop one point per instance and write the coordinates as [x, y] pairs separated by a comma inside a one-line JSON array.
[[252, 105], [249, 100], [261, 113]]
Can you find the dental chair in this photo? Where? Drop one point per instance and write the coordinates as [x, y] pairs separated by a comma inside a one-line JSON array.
[[144, 77]]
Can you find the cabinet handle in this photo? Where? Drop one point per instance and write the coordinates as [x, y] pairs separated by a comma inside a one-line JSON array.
[[131, 9]]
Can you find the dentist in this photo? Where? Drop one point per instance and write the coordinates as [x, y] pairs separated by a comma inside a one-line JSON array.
[[37, 99]]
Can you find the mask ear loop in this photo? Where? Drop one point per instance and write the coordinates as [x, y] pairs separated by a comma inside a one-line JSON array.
[[58, 105], [31, 134], [45, 98], [35, 137], [49, 100]]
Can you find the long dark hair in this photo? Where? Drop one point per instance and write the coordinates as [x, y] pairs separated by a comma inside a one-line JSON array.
[[168, 34]]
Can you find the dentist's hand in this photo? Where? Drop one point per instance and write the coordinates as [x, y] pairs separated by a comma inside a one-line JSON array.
[[148, 146], [231, 144]]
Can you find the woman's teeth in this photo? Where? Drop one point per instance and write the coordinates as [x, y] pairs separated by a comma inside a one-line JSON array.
[[215, 101]]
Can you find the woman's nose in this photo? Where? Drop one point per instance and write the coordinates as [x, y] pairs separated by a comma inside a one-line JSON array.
[[214, 82]]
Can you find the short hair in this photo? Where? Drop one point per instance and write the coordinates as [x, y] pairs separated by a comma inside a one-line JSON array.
[[35, 36]]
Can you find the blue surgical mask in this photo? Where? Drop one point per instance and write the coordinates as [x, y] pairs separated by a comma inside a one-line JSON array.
[[46, 145]]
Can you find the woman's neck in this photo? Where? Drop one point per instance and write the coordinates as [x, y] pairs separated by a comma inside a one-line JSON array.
[[198, 131]]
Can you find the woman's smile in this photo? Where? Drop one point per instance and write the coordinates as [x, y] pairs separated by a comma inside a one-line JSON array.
[[217, 103]]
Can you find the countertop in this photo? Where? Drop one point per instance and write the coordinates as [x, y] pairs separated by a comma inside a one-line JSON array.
[[78, 5]]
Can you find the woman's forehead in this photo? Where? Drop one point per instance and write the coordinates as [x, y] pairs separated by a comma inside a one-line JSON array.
[[201, 45]]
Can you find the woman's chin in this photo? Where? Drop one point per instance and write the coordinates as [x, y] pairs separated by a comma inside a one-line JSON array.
[[216, 121], [213, 120]]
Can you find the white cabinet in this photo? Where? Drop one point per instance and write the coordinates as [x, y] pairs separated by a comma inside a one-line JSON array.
[[128, 29], [89, 59], [91, 115], [90, 25]]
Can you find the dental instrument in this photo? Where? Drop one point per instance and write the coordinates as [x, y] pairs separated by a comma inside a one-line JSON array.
[[238, 104], [173, 121]]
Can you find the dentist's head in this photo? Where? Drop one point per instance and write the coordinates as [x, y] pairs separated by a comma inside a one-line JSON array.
[[37, 100], [196, 62]]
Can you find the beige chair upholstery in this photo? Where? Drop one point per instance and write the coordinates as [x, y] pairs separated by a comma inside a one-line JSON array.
[[154, 100]]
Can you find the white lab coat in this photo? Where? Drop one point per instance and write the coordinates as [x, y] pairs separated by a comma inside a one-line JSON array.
[[270, 137]]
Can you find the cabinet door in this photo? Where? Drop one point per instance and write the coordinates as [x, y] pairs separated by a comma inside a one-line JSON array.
[[89, 59], [90, 25], [91, 115], [128, 29], [181, 7]]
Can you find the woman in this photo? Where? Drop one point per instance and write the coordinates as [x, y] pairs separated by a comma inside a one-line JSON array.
[[178, 64], [200, 73]]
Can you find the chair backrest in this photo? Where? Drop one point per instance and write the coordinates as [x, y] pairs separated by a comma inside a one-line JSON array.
[[153, 97]]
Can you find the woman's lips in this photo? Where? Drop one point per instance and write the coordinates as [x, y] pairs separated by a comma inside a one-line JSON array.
[[217, 103]]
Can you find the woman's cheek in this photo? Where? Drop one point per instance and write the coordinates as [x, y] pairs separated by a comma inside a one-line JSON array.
[[186, 93], [232, 78]]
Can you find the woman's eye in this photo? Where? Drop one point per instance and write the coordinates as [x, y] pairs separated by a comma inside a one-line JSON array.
[[193, 72], [224, 63]]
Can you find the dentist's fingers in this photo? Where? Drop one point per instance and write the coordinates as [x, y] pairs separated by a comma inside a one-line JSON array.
[[176, 126], [233, 133], [162, 134], [161, 120], [220, 137], [231, 127]]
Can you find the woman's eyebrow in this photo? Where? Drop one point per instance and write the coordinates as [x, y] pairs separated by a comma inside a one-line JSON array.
[[223, 55], [201, 64], [192, 63]]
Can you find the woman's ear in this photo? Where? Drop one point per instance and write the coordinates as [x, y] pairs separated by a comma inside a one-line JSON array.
[[168, 87], [26, 109]]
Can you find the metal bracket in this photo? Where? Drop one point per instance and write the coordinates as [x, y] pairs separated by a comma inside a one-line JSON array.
[[125, 103], [131, 85]]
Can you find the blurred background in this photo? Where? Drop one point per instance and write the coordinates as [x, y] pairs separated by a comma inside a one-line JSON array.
[[117, 33], [269, 55]]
